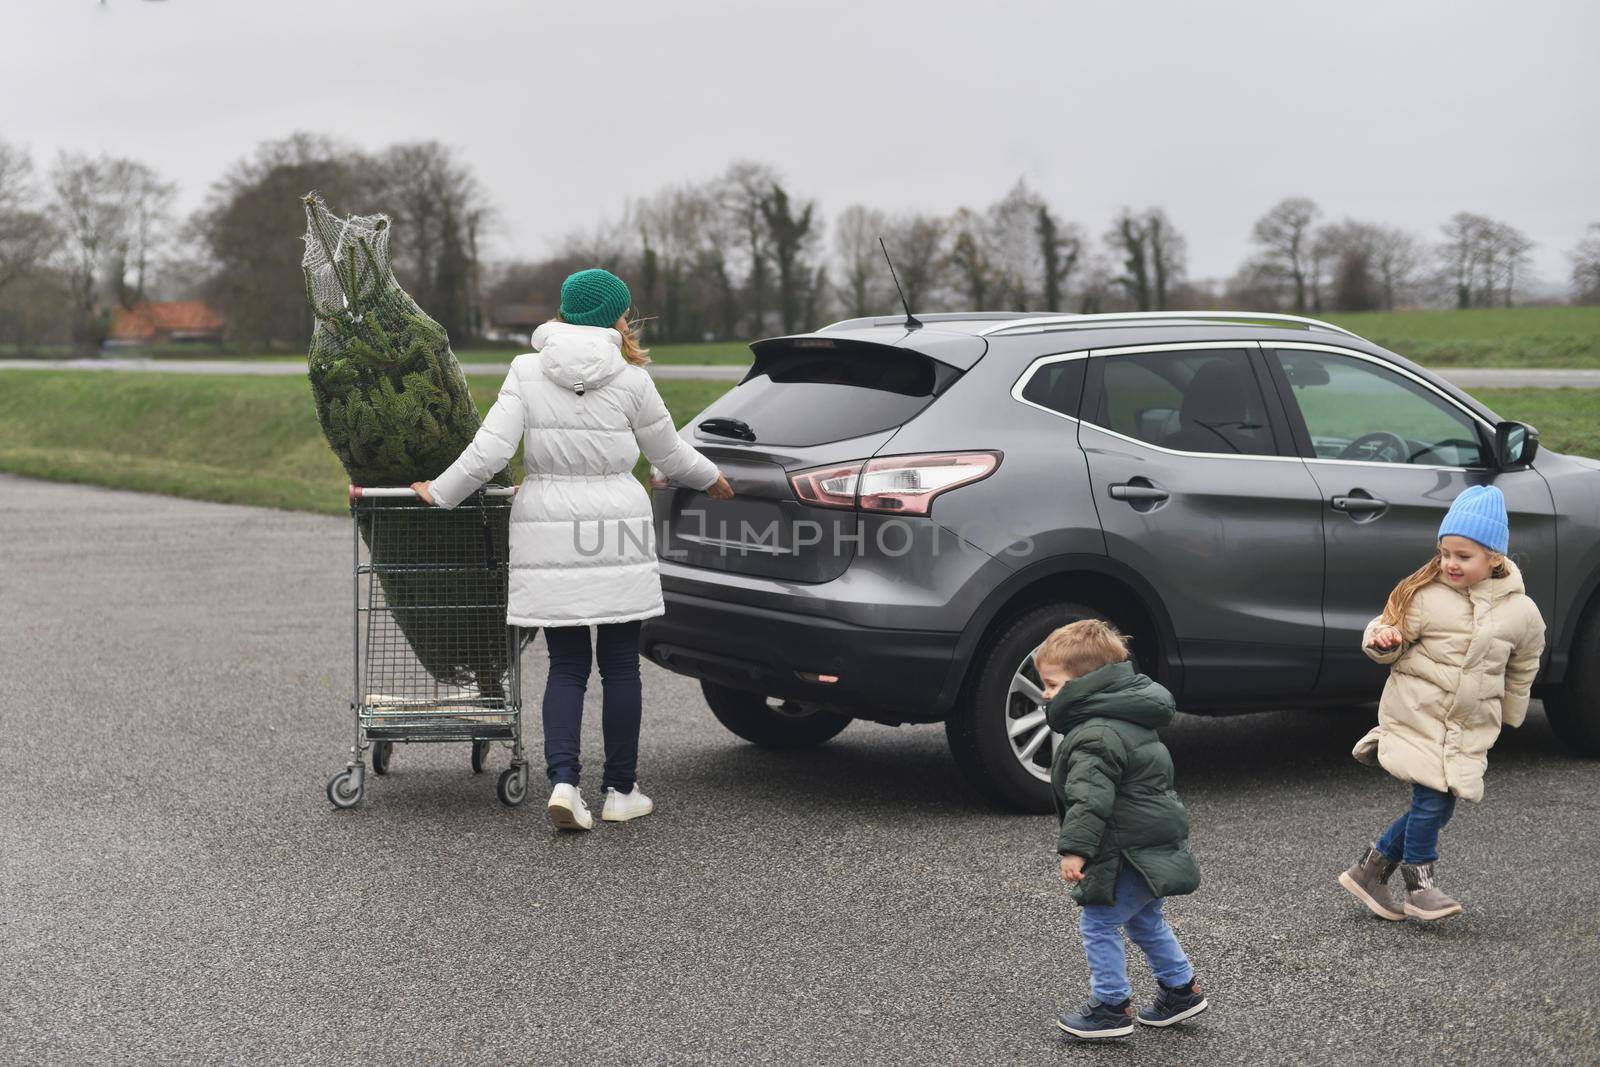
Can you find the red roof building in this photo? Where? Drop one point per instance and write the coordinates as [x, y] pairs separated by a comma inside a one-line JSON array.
[[165, 322]]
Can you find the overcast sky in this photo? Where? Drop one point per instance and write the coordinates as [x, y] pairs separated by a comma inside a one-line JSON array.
[[1398, 111]]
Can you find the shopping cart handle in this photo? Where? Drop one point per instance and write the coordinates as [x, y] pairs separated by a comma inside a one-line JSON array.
[[357, 491]]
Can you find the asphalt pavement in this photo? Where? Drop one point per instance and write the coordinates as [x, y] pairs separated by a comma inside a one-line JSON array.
[[1465, 377], [175, 888]]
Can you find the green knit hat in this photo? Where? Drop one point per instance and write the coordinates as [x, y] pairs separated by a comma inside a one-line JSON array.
[[594, 297]]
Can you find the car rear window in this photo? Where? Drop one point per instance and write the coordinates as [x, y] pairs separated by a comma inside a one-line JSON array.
[[803, 396]]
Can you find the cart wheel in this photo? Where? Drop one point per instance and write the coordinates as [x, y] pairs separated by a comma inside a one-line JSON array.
[[344, 789], [381, 751], [480, 753], [513, 787]]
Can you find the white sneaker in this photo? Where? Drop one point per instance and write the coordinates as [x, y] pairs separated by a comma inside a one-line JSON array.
[[567, 810], [620, 807]]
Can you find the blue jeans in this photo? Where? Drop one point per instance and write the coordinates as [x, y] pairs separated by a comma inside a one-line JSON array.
[[1414, 837], [617, 652], [1140, 914]]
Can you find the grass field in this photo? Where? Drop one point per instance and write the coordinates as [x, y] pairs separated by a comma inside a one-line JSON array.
[[241, 440], [714, 352], [249, 440], [1485, 337], [1479, 337]]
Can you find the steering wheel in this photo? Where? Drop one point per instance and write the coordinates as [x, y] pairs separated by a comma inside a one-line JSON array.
[[1373, 446]]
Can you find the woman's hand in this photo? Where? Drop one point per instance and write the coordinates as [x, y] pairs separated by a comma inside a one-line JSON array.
[[1385, 638], [1072, 868], [720, 489], [424, 490]]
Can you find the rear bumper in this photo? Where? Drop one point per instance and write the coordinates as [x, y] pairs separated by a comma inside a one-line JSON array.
[[883, 675]]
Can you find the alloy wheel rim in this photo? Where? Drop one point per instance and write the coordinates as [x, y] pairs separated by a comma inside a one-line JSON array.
[[1033, 743]]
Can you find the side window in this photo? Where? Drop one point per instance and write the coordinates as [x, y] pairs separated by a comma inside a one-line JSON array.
[[1358, 410], [1057, 386], [1206, 400]]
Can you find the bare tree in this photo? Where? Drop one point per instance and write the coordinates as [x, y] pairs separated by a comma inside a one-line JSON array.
[[1483, 259], [25, 231], [971, 258], [90, 212], [745, 186], [790, 231], [1284, 234], [255, 275], [1585, 257], [1397, 256], [1015, 253], [1060, 249], [917, 243], [146, 218], [1168, 255], [862, 272], [440, 210]]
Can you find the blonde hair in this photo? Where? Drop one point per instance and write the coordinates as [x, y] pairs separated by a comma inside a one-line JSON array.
[[632, 350], [1401, 596], [1082, 646]]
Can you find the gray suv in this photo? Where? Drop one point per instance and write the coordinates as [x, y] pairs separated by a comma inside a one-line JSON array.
[[920, 503]]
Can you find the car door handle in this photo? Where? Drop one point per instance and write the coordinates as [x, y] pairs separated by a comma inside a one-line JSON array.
[[1358, 504], [1139, 494]]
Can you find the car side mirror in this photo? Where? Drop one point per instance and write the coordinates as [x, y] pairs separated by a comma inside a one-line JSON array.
[[1515, 444]]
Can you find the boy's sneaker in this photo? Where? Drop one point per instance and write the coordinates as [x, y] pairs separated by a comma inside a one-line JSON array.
[[1174, 1005], [1098, 1020], [567, 810], [620, 807]]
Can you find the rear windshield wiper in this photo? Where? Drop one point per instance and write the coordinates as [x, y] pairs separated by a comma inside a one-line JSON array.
[[729, 428]]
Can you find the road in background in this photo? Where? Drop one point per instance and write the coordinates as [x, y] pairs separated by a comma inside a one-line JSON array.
[[174, 694]]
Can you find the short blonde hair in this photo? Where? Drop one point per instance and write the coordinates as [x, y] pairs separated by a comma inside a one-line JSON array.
[[1082, 646]]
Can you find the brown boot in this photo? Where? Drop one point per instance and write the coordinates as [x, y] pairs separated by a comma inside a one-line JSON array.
[[1368, 881], [1424, 900]]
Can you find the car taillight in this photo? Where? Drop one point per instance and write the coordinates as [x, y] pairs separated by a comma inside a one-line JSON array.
[[900, 485], [828, 487]]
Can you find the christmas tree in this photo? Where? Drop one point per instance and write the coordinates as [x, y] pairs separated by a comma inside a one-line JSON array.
[[394, 406]]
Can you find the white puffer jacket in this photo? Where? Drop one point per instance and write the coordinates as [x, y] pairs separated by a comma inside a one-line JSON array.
[[582, 542]]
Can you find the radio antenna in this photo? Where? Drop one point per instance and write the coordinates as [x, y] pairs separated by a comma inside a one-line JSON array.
[[912, 322]]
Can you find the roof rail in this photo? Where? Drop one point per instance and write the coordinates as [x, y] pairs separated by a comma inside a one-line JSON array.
[[937, 316], [1051, 323]]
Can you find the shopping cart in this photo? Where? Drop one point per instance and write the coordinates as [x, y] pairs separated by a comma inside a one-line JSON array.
[[434, 658]]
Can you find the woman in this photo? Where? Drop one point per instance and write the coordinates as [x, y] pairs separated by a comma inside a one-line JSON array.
[[582, 543]]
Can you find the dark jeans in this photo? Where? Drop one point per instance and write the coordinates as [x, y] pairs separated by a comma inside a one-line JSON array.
[[1414, 837], [617, 651]]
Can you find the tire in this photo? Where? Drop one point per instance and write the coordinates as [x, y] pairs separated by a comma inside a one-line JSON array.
[[480, 753], [345, 789], [1574, 708], [770, 723], [979, 727], [381, 751], [512, 788]]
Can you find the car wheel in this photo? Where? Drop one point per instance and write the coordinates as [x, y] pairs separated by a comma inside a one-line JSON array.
[[769, 722], [1574, 708], [998, 734]]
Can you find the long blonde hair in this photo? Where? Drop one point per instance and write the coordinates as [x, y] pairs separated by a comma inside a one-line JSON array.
[[632, 350], [1399, 602]]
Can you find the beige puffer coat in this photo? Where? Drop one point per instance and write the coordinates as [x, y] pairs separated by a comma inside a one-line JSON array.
[[1466, 673]]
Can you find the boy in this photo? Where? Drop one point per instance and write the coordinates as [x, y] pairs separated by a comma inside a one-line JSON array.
[[1124, 833]]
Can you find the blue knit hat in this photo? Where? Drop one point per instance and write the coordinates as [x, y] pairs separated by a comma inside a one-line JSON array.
[[594, 297], [1479, 514]]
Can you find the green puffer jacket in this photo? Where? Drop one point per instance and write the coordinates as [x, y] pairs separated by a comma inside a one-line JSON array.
[[1112, 780]]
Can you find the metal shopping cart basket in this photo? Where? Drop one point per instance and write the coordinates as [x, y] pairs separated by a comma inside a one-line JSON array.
[[434, 658]]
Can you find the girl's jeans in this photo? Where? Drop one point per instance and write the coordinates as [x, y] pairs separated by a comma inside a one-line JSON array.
[[1140, 914], [617, 651], [1414, 837]]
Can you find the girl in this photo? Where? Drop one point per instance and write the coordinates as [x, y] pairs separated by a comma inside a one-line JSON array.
[[1464, 641], [582, 541]]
